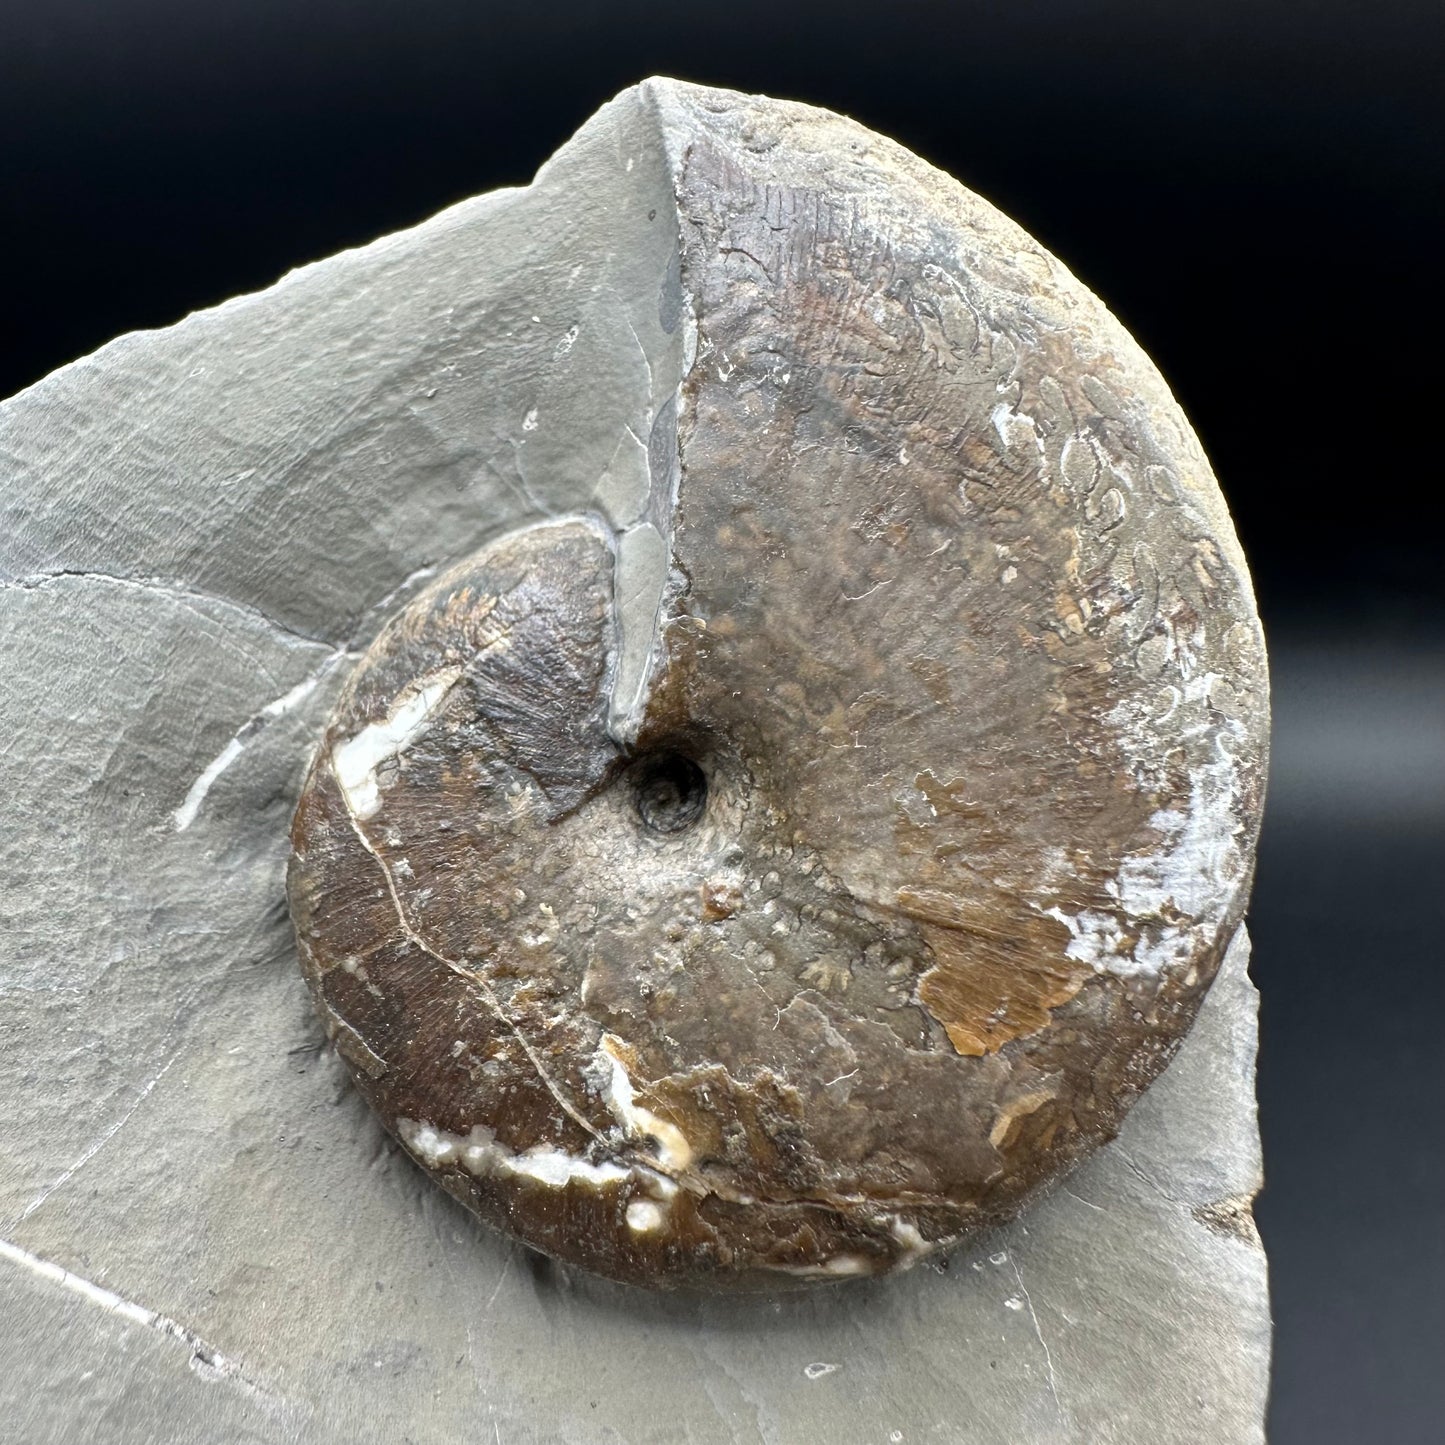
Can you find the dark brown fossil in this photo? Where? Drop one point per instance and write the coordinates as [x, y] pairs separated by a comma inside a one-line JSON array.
[[861, 897]]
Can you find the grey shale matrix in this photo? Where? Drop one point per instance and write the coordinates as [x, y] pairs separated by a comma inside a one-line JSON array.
[[792, 633], [807, 837]]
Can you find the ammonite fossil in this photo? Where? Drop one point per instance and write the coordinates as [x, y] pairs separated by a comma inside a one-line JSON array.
[[789, 861]]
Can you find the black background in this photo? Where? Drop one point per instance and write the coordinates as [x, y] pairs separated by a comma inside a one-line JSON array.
[[1252, 187]]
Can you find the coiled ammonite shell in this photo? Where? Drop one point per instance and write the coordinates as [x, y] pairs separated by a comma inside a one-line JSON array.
[[793, 858]]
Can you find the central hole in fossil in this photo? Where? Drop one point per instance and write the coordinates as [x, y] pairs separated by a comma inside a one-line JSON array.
[[671, 791]]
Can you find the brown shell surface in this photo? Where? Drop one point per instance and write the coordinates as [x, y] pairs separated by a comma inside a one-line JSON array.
[[960, 640]]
